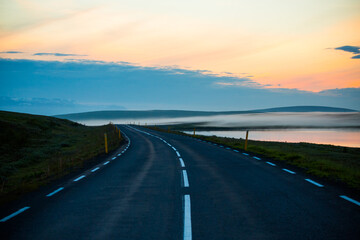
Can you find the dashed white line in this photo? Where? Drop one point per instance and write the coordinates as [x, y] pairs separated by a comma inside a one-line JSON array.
[[236, 151], [350, 199], [187, 218], [54, 192], [257, 158], [119, 154], [182, 162], [95, 169], [272, 164], [14, 214], [228, 148], [289, 171], [113, 158], [106, 162], [79, 178], [313, 182], [185, 177], [177, 153], [246, 154]]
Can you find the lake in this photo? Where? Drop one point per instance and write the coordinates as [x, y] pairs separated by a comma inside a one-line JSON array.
[[315, 127], [340, 137]]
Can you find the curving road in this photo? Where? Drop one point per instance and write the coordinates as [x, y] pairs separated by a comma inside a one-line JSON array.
[[165, 186]]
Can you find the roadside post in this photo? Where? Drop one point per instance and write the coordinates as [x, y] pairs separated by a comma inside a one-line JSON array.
[[246, 140], [194, 132], [106, 145]]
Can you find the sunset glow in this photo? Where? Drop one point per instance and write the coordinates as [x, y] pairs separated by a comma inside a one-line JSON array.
[[288, 44]]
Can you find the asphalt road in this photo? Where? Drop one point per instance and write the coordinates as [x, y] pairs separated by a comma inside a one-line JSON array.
[[165, 186]]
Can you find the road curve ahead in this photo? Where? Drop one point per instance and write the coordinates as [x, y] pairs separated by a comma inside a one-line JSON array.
[[165, 186]]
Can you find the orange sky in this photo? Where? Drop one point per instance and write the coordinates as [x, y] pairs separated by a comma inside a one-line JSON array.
[[278, 43]]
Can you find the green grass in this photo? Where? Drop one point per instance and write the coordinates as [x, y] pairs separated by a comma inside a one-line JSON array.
[[35, 150], [334, 163]]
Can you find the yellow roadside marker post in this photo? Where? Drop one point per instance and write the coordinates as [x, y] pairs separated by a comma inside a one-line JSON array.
[[106, 145], [246, 140], [194, 132]]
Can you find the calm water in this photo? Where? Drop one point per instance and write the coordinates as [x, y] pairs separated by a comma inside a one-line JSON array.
[[340, 137], [341, 129]]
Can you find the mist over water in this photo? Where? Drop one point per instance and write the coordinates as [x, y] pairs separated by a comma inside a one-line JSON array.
[[253, 120], [316, 127]]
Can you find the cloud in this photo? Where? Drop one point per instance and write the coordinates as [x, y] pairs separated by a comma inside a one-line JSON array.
[[58, 54], [12, 52], [111, 85], [51, 106], [352, 49]]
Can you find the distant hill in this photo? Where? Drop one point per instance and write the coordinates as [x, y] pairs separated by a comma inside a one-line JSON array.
[[127, 114], [306, 109]]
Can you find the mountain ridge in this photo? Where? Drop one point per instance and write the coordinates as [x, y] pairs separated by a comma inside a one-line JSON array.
[[116, 114]]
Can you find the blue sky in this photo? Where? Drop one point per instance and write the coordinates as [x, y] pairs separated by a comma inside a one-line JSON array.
[[56, 87]]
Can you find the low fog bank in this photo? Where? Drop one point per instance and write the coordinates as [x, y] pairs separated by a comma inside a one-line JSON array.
[[250, 120]]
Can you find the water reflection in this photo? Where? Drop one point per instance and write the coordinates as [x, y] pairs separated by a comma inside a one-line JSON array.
[[340, 137], [346, 134]]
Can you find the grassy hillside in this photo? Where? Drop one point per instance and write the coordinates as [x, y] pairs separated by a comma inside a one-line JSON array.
[[334, 163], [37, 149]]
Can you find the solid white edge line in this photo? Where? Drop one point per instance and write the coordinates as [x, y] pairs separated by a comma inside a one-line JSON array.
[[95, 169], [54, 192], [289, 171], [350, 199], [187, 218], [185, 177], [14, 214], [313, 182], [182, 162], [272, 164], [79, 178], [106, 162]]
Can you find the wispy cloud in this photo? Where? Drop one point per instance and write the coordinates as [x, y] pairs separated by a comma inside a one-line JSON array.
[[12, 52], [108, 84], [350, 49], [59, 54]]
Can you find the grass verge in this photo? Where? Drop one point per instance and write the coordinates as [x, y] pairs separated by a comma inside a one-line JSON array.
[[334, 163], [35, 150]]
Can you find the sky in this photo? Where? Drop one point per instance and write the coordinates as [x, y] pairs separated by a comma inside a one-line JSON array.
[[199, 55]]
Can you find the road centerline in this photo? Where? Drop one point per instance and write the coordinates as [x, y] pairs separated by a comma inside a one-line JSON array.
[[185, 177], [187, 218]]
